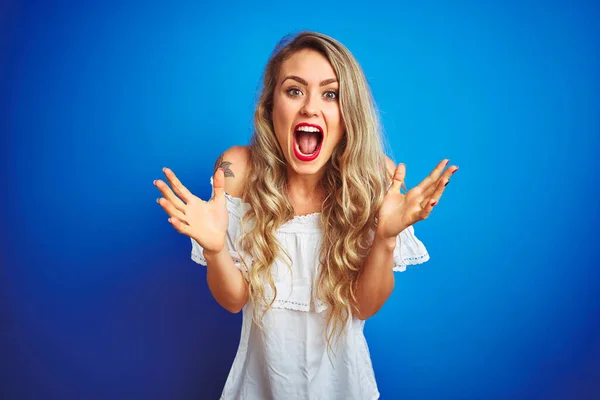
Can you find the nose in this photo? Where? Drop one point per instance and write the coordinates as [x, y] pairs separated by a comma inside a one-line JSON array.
[[310, 107]]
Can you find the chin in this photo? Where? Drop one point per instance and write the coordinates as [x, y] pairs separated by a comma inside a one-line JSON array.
[[307, 168]]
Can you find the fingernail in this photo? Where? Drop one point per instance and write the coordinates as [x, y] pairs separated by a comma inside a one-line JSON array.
[[447, 161], [154, 182], [447, 183], [157, 200], [454, 171], [434, 203]]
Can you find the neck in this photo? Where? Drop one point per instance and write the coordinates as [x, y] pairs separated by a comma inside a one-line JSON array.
[[305, 192]]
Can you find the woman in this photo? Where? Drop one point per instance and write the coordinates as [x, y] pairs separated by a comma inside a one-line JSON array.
[[305, 227]]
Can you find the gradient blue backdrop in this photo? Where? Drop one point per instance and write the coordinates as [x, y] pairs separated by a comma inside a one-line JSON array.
[[98, 296]]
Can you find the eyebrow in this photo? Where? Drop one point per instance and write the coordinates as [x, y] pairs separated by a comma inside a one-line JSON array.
[[302, 81]]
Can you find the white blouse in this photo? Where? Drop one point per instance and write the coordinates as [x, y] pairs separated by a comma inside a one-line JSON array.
[[288, 359]]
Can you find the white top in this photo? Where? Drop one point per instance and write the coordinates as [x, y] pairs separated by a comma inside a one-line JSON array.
[[289, 358]]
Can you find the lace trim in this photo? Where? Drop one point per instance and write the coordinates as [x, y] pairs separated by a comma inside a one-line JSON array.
[[320, 306], [303, 223], [291, 305], [299, 223], [297, 297], [199, 258], [401, 266], [306, 216], [299, 306], [239, 202]]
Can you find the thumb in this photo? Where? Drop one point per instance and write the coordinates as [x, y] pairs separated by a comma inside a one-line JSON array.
[[219, 184], [399, 175]]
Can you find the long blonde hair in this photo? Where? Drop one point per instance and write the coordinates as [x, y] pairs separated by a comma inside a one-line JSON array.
[[354, 180]]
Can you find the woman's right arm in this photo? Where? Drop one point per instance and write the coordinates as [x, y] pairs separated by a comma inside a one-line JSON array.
[[207, 223], [226, 282]]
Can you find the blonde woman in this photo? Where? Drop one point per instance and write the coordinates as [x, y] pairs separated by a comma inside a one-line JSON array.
[[305, 227]]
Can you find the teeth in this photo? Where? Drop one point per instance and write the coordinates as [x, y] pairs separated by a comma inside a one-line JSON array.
[[308, 129]]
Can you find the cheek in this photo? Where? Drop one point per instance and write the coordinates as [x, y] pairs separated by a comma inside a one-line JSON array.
[[276, 113], [280, 111], [335, 123], [279, 126]]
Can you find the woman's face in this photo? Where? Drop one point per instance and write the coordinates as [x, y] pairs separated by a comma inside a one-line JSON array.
[[306, 111]]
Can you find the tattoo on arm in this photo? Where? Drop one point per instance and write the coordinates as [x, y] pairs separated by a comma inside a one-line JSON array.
[[225, 165]]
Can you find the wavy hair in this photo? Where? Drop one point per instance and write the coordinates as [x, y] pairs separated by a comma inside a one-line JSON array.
[[355, 181]]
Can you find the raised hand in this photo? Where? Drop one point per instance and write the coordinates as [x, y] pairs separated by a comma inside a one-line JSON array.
[[398, 211], [204, 221]]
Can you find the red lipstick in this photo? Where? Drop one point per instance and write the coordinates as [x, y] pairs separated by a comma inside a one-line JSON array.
[[307, 157]]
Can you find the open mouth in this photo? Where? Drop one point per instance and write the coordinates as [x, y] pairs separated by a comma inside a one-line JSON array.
[[308, 139]]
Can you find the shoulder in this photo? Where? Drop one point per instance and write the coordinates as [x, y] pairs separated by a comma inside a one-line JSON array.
[[235, 162]]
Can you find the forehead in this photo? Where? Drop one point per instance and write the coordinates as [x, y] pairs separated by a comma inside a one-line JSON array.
[[307, 64]]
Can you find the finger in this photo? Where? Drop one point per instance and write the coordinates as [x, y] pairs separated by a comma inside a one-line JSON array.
[[433, 176], [181, 191], [398, 178], [171, 210], [445, 176], [168, 194], [435, 198], [180, 226], [219, 184]]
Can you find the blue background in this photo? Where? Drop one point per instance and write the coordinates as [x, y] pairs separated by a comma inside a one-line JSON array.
[[98, 296]]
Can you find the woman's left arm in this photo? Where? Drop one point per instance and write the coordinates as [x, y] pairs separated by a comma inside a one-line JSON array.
[[397, 212], [376, 280]]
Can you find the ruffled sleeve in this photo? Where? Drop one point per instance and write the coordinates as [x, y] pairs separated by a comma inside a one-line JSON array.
[[409, 250], [235, 208]]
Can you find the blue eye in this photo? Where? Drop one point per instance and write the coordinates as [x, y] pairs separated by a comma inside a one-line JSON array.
[[331, 95]]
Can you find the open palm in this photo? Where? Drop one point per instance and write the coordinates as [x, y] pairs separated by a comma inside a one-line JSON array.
[[204, 221], [398, 211]]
